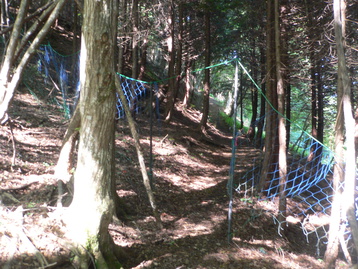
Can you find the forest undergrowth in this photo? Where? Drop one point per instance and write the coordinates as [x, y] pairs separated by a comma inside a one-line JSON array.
[[190, 173]]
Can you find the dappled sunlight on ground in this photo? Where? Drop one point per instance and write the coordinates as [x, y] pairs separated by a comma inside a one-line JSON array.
[[190, 173]]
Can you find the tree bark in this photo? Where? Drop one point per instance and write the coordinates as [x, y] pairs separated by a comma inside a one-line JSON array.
[[122, 16], [4, 19], [47, 10], [260, 125], [11, 48], [135, 39], [171, 64], [206, 99], [339, 8], [345, 167], [186, 100], [254, 95], [271, 141], [93, 204], [179, 51], [282, 161]]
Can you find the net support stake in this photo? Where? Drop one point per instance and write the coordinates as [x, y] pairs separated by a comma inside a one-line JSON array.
[[151, 140], [233, 155]]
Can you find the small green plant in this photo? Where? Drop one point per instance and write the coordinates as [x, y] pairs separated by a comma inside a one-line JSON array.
[[229, 121], [31, 205]]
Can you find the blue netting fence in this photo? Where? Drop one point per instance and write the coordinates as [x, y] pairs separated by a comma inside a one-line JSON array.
[[60, 76], [308, 187], [135, 92]]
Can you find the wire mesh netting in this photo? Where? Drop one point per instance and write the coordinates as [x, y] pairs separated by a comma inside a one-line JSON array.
[[134, 91], [60, 74], [308, 184]]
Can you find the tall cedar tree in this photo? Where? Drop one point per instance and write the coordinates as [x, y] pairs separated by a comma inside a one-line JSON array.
[[93, 204]]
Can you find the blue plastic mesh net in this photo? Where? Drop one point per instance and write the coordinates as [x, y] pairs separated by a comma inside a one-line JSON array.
[[134, 91], [62, 74], [308, 187]]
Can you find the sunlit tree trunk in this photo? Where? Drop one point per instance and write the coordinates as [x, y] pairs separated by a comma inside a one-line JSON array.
[[282, 158], [188, 62], [187, 89], [92, 207], [171, 64], [271, 142], [339, 7], [143, 58], [345, 167]]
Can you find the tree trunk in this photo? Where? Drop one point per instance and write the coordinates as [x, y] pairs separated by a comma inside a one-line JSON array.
[[339, 8], [271, 141], [143, 58], [93, 204], [122, 35], [282, 161], [186, 100], [179, 51], [4, 19], [135, 39], [343, 159], [14, 40], [171, 65], [206, 99], [260, 124]]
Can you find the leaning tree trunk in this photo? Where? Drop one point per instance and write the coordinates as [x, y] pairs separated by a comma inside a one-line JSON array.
[[8, 85], [349, 123], [140, 155], [92, 207]]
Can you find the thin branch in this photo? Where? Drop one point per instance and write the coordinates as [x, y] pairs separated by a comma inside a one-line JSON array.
[[28, 18], [34, 28], [134, 132]]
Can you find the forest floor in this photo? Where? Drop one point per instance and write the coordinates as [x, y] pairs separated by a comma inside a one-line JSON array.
[[190, 172]]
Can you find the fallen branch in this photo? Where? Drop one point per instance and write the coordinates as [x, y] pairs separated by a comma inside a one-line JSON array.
[[10, 197], [143, 169]]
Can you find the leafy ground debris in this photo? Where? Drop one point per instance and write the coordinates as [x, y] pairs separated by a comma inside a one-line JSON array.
[[190, 172]]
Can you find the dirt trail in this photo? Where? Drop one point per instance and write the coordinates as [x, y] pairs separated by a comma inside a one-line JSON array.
[[190, 172]]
